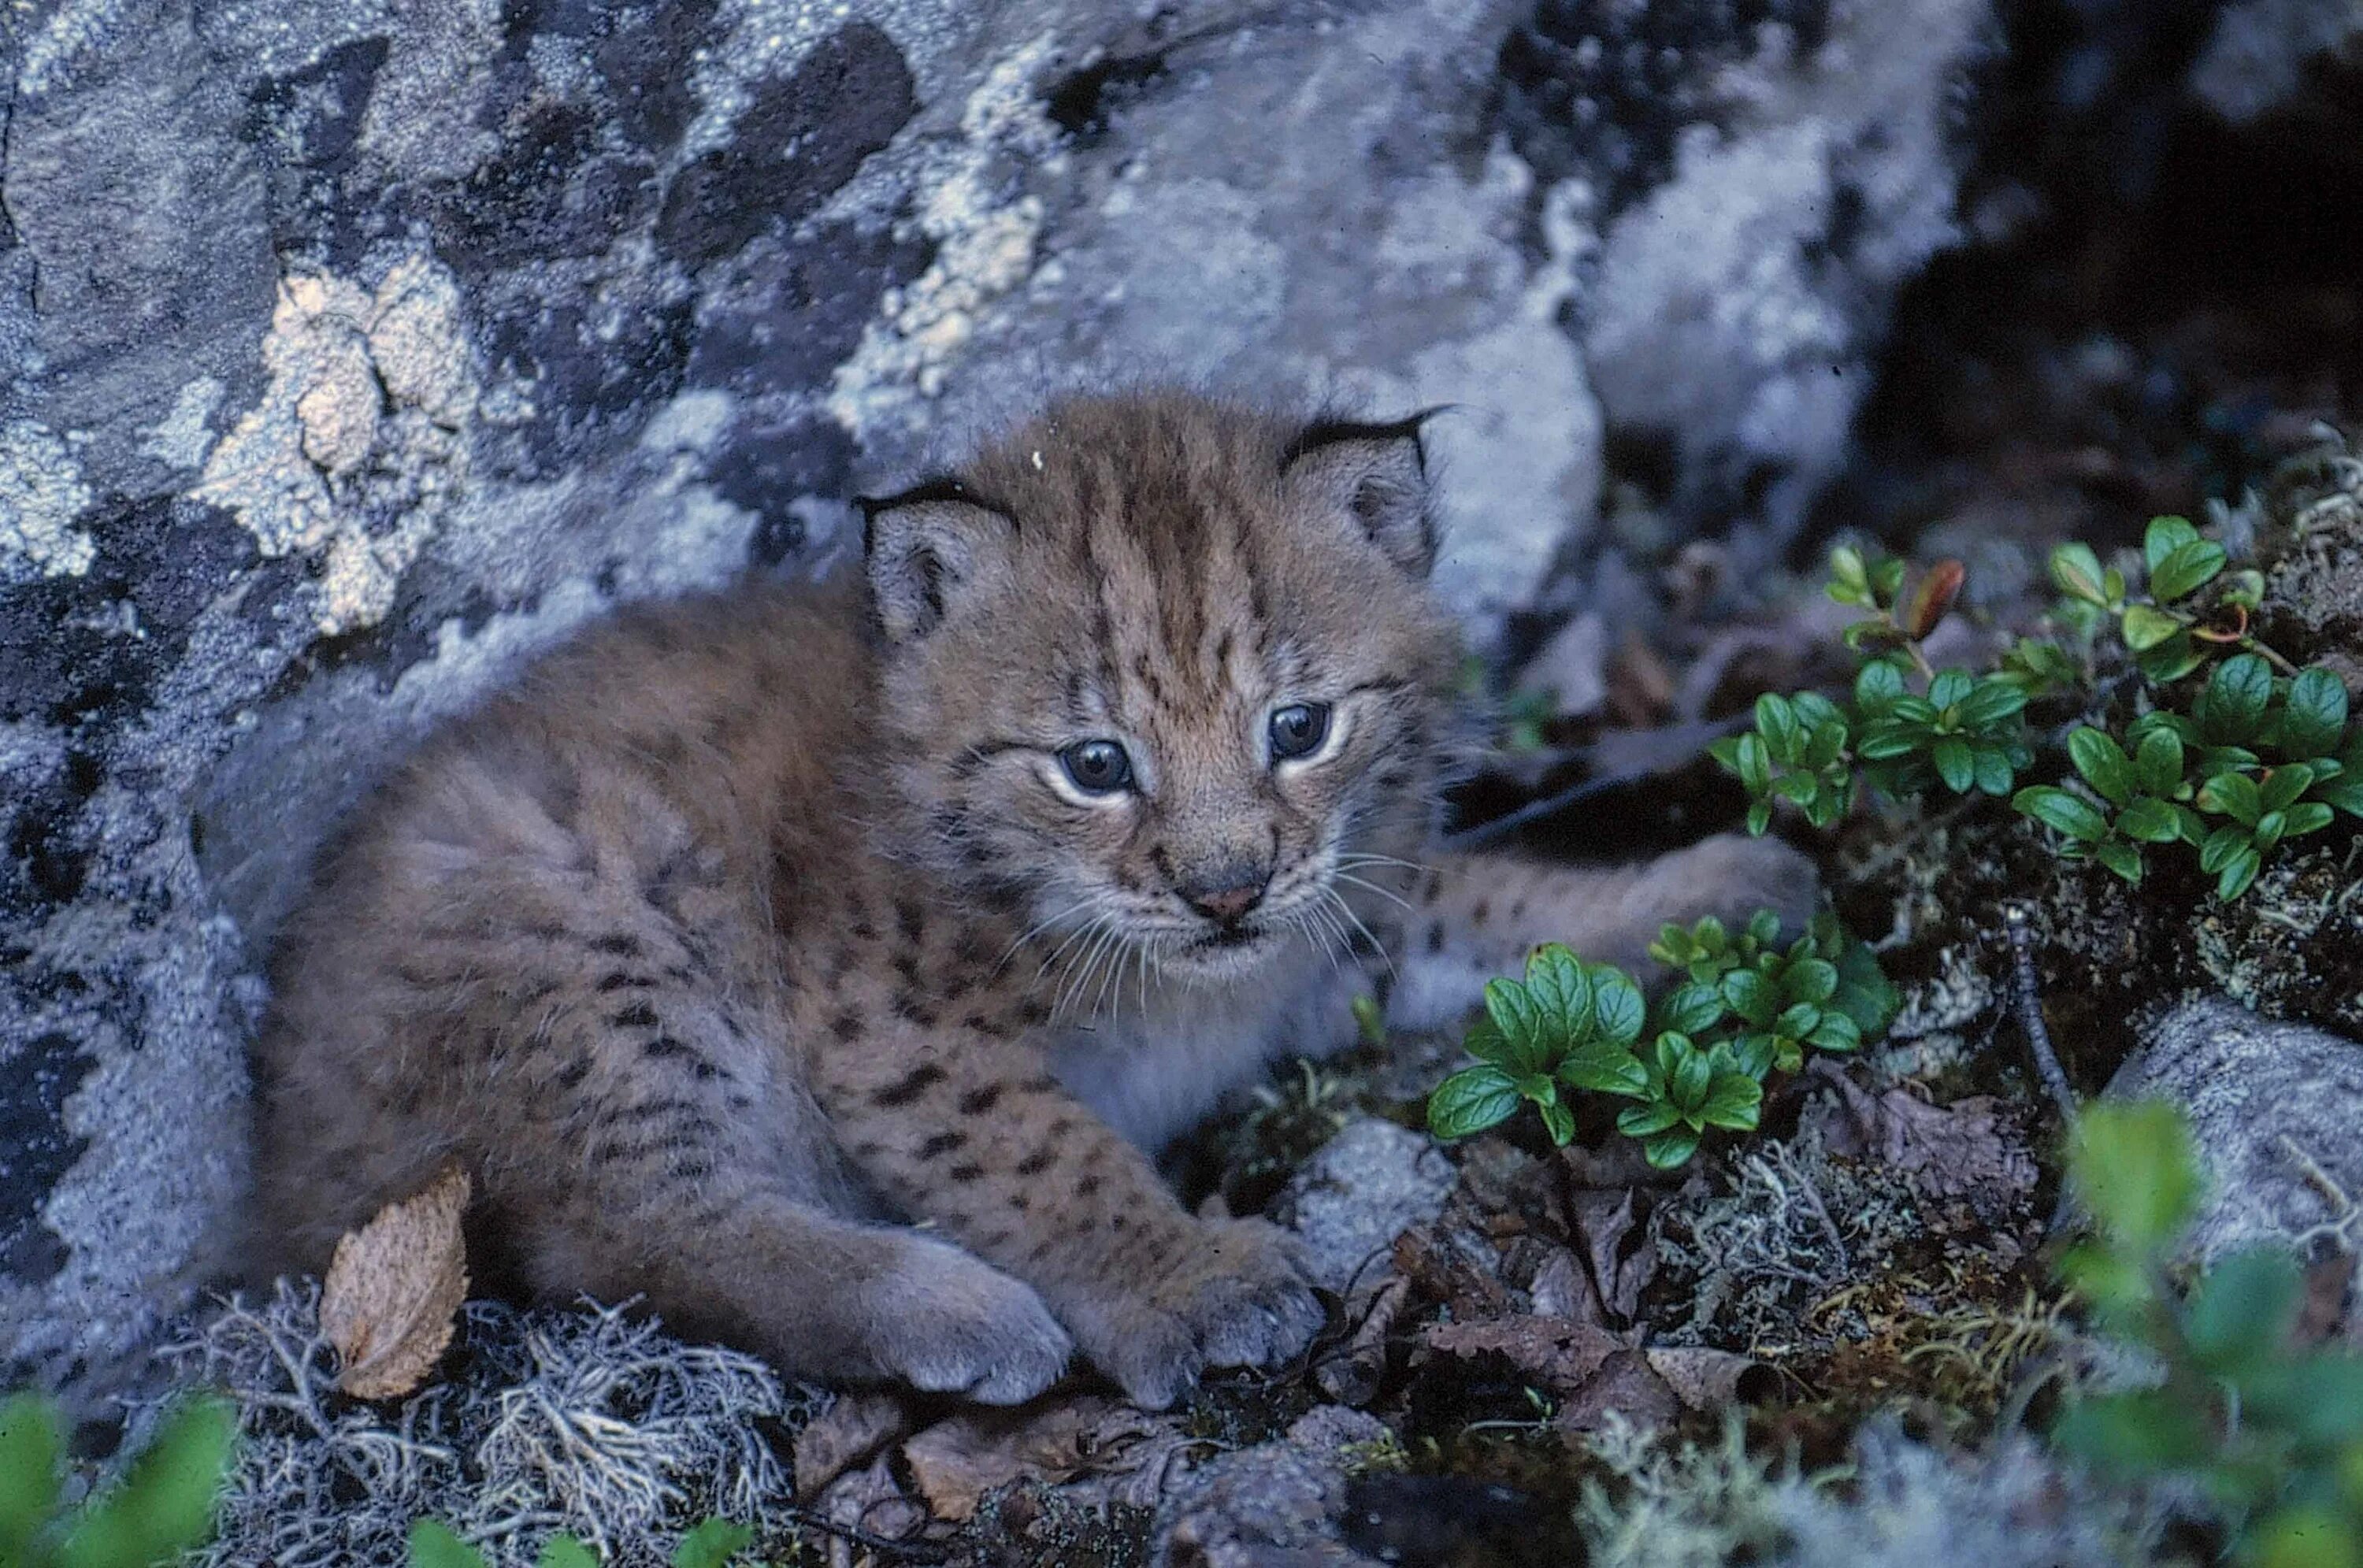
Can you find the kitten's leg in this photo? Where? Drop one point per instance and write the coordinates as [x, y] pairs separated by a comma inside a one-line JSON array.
[[1477, 916], [627, 1105], [970, 1130]]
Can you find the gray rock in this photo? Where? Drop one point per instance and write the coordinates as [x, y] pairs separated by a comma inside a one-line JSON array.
[[2275, 1108], [1360, 1191], [1275, 1505], [2261, 52], [1733, 309]]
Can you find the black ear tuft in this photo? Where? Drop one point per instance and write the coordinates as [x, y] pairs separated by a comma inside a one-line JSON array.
[[1375, 474], [929, 549]]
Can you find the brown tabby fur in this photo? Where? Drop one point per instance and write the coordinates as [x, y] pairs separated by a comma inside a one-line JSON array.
[[757, 957]]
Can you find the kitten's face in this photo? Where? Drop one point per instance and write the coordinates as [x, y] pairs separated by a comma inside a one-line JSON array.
[[1165, 670]]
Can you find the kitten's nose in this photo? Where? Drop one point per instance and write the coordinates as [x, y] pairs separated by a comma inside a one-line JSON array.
[[1227, 895]]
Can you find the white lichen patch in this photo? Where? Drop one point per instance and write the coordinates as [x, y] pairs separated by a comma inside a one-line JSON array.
[[42, 496], [985, 248], [358, 443], [182, 438]]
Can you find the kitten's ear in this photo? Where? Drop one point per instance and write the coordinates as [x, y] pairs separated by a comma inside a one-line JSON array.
[[928, 549], [1375, 474]]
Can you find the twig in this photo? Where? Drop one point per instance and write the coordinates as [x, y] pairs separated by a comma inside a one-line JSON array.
[[2029, 997], [910, 1551]]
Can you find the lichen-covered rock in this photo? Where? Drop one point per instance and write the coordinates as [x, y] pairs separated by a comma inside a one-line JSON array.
[[1364, 1188], [2275, 1112], [1275, 1505]]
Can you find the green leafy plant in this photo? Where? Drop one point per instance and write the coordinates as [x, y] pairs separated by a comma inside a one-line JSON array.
[[2260, 752], [1962, 731], [2257, 760], [2272, 1433], [163, 1507], [710, 1545], [1748, 1006]]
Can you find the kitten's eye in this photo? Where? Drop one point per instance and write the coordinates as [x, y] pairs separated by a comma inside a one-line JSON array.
[[1097, 767], [1299, 729]]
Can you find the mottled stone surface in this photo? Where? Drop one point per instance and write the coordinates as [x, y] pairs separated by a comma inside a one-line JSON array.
[[1275, 1505], [352, 351], [1360, 1190], [2275, 1112]]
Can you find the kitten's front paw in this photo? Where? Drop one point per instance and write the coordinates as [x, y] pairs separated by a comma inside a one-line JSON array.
[[1731, 877], [1240, 1298], [946, 1322]]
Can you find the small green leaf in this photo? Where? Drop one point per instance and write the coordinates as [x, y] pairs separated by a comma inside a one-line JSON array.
[[2234, 795], [164, 1506], [2283, 785], [565, 1551], [1751, 995], [1777, 723], [1691, 1009], [1834, 1031], [2344, 792], [1484, 1042], [2305, 817], [2134, 1166], [1877, 686], [2136, 1434], [2120, 857], [2164, 537], [1755, 764], [2238, 873], [1760, 818], [1955, 764], [2077, 572], [1949, 687], [1687, 1084], [1848, 573], [2145, 628], [2313, 719], [1617, 1008], [2232, 707], [2158, 762], [1604, 1068], [2191, 567], [1886, 578], [1561, 987], [2059, 810], [1990, 703], [1471, 1100], [1559, 1123], [433, 1545], [1641, 1120], [715, 1543], [2243, 1310], [2150, 820], [2221, 845], [1864, 994], [2172, 659], [1529, 1037], [1810, 980], [2103, 765], [1733, 1100], [1670, 1148], [1994, 773], [32, 1447], [1889, 739]]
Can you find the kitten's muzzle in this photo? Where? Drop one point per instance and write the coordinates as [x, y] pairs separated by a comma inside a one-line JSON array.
[[1227, 895]]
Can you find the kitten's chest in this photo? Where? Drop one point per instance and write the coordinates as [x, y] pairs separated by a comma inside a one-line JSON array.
[[1154, 1067]]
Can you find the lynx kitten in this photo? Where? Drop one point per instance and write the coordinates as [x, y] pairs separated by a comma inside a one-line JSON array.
[[825, 969]]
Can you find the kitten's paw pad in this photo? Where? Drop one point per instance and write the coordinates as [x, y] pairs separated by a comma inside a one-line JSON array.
[[1241, 1298], [952, 1324], [1733, 876]]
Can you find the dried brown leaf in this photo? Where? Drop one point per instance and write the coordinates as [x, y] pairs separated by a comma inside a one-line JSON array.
[[1625, 1384], [1968, 1149], [853, 1428], [955, 1462], [1350, 1373], [1559, 1354], [394, 1290], [1705, 1379]]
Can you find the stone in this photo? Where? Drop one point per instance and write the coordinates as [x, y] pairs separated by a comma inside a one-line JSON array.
[[2275, 1112], [1360, 1190], [1274, 1505], [2261, 53]]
